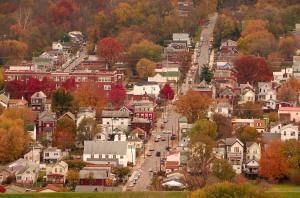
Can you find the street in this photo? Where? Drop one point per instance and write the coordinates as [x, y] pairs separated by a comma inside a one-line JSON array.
[[153, 162]]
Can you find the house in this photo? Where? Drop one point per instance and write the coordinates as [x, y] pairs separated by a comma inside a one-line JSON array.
[[172, 162], [259, 124], [182, 37], [283, 75], [205, 88], [247, 96], [26, 172], [223, 108], [17, 103], [115, 153], [227, 94], [141, 123], [227, 51], [56, 173], [275, 128], [289, 114], [149, 88], [68, 115], [111, 120], [140, 133], [266, 91], [33, 155], [253, 154], [52, 155], [5, 172], [231, 149], [296, 66], [50, 188], [170, 71], [83, 113], [4, 99], [289, 132], [38, 101], [145, 109], [46, 125], [158, 78], [96, 175]]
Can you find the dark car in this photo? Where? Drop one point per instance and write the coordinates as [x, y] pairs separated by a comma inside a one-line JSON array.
[[157, 154], [173, 137]]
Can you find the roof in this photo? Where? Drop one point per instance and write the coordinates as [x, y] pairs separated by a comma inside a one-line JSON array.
[[231, 141], [4, 98], [115, 114], [227, 92], [19, 101], [47, 116], [271, 136], [289, 108], [51, 187], [172, 164], [138, 130], [139, 120], [51, 149], [105, 147], [39, 94], [97, 173], [69, 114]]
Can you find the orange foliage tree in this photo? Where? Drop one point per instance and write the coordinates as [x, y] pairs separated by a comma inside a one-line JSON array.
[[273, 164], [64, 134], [89, 95]]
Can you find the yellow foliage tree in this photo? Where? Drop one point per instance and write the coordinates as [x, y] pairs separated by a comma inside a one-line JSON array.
[[145, 68]]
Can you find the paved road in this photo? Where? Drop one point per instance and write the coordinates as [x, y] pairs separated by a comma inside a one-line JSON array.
[[153, 162], [76, 60], [203, 51]]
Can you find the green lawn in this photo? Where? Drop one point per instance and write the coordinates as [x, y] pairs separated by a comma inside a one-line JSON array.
[[100, 195], [286, 191]]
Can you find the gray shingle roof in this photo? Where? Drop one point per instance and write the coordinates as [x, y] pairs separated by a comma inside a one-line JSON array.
[[115, 114], [105, 147]]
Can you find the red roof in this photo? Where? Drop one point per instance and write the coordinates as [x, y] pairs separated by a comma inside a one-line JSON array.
[[289, 108], [172, 164]]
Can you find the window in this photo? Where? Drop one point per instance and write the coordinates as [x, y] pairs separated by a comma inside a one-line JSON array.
[[292, 133], [236, 149], [60, 170], [284, 133], [47, 154], [55, 154], [55, 170], [107, 87]]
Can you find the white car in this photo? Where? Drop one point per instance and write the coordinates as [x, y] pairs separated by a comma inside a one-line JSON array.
[[158, 137]]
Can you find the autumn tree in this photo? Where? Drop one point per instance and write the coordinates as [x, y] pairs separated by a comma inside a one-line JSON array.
[[69, 84], [206, 74], [167, 92], [184, 59], [203, 128], [291, 150], [64, 134], [62, 102], [249, 110], [145, 68], [89, 95], [15, 88], [247, 134], [288, 47], [117, 95], [193, 105], [126, 37], [144, 49], [110, 50], [73, 177], [224, 126], [24, 114], [87, 129], [12, 51], [124, 13], [252, 69], [223, 170], [273, 164], [288, 92], [13, 139]]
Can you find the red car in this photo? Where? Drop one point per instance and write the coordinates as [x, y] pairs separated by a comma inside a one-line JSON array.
[[163, 138]]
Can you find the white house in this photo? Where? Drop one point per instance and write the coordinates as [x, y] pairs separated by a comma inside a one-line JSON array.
[[172, 162], [116, 120], [247, 96], [151, 89], [289, 132], [283, 75], [223, 108], [289, 114], [33, 155], [57, 46], [182, 37], [116, 153], [253, 154], [57, 173], [158, 78], [52, 155], [231, 149], [26, 171], [85, 113], [276, 128]]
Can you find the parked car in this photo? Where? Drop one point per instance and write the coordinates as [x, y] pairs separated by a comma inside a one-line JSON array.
[[151, 149], [173, 137], [157, 154], [166, 132], [149, 154], [163, 138], [156, 139]]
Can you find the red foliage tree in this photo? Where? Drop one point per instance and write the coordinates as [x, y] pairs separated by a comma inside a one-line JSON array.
[[167, 92], [69, 84], [47, 86], [273, 164], [15, 88], [110, 50], [117, 94], [252, 69], [33, 85], [2, 189], [62, 11]]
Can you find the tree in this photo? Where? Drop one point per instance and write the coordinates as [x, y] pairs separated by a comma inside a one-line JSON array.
[[24, 114], [2, 189], [167, 92], [87, 129], [62, 102], [206, 74], [247, 134], [124, 13], [223, 170], [287, 47], [224, 126], [126, 37], [64, 134], [204, 128], [184, 59], [250, 110], [226, 189], [73, 177], [288, 92], [252, 69], [69, 84], [12, 51], [193, 105], [15, 88], [291, 150], [273, 164], [145, 68], [110, 50], [121, 172], [13, 139], [144, 49], [89, 95], [117, 95]]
